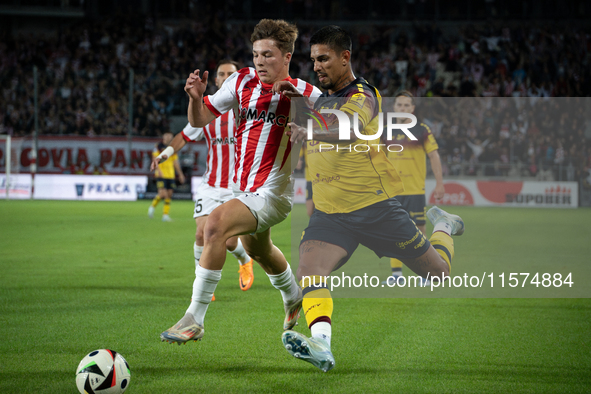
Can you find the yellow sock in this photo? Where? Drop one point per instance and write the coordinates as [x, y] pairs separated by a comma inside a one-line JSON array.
[[166, 206], [396, 266], [317, 303], [444, 245], [155, 201]]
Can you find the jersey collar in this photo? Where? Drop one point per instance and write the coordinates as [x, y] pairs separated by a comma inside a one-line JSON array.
[[269, 86], [355, 81]]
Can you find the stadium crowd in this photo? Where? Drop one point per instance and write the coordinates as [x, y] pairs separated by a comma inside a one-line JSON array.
[[83, 83]]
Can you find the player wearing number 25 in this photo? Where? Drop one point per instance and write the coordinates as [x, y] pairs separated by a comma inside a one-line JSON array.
[[215, 187]]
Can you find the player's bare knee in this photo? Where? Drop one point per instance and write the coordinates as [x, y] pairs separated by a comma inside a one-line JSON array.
[[199, 238], [214, 231], [232, 243], [311, 268], [301, 272]]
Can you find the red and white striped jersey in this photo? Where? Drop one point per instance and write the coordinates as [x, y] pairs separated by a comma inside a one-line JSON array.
[[262, 148], [221, 143]]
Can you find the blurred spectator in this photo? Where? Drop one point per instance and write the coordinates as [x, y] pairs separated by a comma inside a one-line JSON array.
[[84, 80]]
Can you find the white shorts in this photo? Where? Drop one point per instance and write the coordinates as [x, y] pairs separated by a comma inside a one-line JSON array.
[[208, 198], [267, 207]]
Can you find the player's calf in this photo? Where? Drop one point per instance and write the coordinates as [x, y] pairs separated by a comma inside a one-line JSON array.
[[444, 226], [429, 264]]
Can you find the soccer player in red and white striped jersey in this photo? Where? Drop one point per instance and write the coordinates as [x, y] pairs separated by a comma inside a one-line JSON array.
[[263, 188], [219, 136], [261, 152], [215, 187]]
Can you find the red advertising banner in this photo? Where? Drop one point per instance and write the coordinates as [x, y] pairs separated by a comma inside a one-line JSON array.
[[96, 155], [507, 193]]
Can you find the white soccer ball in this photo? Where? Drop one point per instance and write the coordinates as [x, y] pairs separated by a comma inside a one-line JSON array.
[[103, 371]]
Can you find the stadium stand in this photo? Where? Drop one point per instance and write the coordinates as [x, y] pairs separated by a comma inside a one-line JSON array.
[[84, 78]]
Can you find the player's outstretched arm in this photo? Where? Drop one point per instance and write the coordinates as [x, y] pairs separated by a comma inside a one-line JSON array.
[[199, 115], [435, 160], [288, 90], [177, 143], [329, 133]]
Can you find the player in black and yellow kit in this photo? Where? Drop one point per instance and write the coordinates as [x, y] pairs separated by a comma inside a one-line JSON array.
[[354, 189], [411, 164], [165, 178]]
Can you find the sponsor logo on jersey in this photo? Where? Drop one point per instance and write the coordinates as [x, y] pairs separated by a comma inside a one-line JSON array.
[[264, 116], [328, 179], [223, 141]]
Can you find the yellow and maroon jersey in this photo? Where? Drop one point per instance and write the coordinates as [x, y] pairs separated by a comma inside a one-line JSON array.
[[352, 175], [167, 167], [411, 163]]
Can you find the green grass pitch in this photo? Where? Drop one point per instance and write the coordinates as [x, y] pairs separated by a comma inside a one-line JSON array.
[[78, 276]]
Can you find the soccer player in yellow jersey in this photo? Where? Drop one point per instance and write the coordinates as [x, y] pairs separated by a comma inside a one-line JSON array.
[[411, 164], [165, 178], [354, 195]]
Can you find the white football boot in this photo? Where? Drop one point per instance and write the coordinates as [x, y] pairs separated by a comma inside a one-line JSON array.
[[436, 214], [316, 351]]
